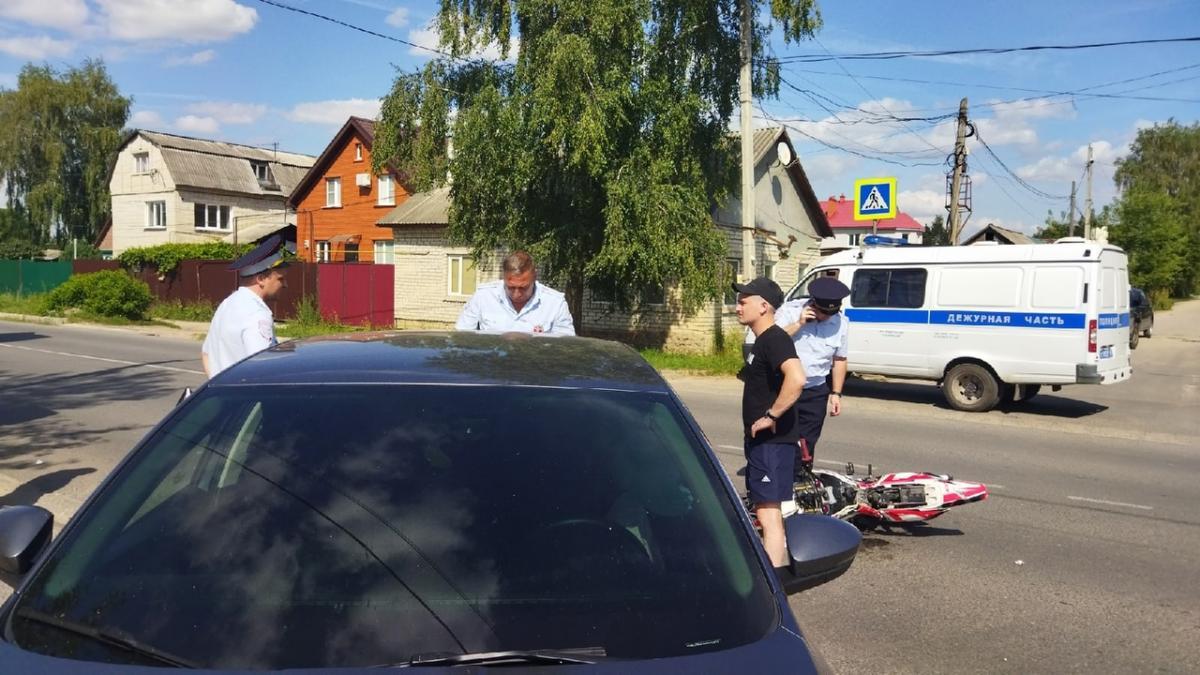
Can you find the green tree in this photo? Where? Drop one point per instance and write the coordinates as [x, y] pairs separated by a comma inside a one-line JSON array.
[[603, 149], [58, 132], [1055, 228], [1151, 229], [1164, 159], [936, 233]]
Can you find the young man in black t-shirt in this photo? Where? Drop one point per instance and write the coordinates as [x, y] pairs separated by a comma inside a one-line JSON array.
[[773, 378]]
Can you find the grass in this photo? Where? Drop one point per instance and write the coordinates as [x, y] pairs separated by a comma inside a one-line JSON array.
[[12, 303], [310, 323], [177, 310], [728, 361]]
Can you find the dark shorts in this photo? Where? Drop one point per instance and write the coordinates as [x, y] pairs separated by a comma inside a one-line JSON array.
[[769, 470]]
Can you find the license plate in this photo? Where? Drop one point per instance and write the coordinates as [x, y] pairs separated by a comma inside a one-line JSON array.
[[1106, 352]]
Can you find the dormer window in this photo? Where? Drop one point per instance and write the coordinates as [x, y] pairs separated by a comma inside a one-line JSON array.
[[262, 171], [141, 162], [358, 152]]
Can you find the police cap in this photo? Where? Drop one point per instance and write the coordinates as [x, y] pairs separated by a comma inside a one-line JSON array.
[[267, 255], [827, 294]]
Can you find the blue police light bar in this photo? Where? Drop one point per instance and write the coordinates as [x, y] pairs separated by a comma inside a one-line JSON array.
[[879, 240]]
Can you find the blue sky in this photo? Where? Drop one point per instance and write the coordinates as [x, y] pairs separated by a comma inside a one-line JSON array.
[[248, 72]]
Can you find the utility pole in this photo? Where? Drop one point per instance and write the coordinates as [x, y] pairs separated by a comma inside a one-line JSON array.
[[1087, 211], [747, 143], [1071, 217], [960, 167]]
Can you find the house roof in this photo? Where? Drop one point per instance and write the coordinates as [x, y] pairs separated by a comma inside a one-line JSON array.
[[421, 208], [361, 127], [1001, 234], [840, 212], [224, 167], [764, 141]]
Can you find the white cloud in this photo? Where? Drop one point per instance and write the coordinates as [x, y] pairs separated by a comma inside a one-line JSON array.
[[333, 112], [424, 37], [197, 125], [228, 113], [827, 165], [61, 14], [195, 59], [398, 18], [188, 21], [922, 205], [35, 48], [1065, 169], [147, 119], [429, 39]]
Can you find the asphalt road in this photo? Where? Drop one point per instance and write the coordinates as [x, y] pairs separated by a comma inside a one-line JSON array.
[[1084, 559]]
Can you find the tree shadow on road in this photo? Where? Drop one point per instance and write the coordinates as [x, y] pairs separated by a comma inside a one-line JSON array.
[[31, 491], [21, 337], [30, 423], [928, 394]]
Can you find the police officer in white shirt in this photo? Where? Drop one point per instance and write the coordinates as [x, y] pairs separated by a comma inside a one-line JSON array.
[[243, 324], [821, 335], [517, 303]]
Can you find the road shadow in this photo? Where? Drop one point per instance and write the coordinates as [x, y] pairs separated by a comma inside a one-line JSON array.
[[21, 337], [31, 426], [928, 394], [29, 492]]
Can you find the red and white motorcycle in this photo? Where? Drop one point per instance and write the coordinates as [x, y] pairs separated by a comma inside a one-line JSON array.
[[890, 500]]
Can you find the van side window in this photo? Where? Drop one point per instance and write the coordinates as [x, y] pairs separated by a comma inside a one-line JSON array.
[[801, 289], [904, 288]]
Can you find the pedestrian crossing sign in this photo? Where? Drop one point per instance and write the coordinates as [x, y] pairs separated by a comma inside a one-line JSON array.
[[875, 198]]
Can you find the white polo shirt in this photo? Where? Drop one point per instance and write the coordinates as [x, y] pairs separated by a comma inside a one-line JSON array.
[[491, 310], [241, 326]]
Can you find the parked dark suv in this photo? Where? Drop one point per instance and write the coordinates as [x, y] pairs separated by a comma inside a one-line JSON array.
[[1141, 316], [416, 499]]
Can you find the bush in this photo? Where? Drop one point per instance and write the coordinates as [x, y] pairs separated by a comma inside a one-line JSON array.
[[166, 257], [19, 250], [109, 293], [178, 310]]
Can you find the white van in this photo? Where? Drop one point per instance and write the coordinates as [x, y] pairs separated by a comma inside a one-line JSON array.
[[989, 322]]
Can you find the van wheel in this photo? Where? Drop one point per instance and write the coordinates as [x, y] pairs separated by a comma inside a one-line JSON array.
[[1029, 391], [1135, 332], [971, 387], [1149, 332]]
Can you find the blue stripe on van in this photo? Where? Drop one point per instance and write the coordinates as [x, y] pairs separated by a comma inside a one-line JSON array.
[[1114, 320], [969, 318]]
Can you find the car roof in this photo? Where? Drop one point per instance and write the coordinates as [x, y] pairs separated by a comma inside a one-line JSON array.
[[451, 358]]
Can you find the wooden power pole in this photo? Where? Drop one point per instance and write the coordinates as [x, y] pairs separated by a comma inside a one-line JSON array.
[[1087, 210], [960, 167], [1071, 216]]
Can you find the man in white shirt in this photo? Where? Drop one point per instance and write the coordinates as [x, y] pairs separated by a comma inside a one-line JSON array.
[[243, 324], [519, 302]]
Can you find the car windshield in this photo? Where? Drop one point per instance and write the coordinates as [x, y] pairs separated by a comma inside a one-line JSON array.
[[347, 525]]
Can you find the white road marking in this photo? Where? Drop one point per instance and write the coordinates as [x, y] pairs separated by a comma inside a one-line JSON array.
[[1108, 503], [106, 360]]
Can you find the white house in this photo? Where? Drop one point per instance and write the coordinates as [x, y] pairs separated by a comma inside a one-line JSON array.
[[175, 189]]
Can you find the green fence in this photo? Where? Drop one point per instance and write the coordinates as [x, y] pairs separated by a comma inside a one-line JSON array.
[[25, 277]]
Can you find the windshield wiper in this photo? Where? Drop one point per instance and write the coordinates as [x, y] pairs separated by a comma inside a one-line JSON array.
[[535, 657], [108, 636]]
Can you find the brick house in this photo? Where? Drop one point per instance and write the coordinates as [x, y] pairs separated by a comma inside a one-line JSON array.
[[176, 189], [339, 200], [435, 279]]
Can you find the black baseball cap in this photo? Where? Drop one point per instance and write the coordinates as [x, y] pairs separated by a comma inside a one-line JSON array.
[[827, 294], [764, 287]]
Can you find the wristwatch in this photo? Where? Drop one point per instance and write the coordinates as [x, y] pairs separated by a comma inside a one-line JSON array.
[[836, 393], [769, 416]]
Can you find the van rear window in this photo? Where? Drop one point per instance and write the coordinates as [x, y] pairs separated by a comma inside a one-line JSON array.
[[903, 288]]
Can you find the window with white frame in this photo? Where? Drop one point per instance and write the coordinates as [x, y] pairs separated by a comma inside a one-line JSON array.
[[358, 152], [141, 162], [333, 192], [212, 217], [156, 215], [385, 252], [323, 249], [462, 275], [262, 171], [769, 270], [853, 239], [387, 191]]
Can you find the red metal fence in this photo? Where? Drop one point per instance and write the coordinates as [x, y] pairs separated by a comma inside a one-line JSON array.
[[360, 294]]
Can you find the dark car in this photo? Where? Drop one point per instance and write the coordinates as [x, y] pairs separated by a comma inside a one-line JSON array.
[[1141, 316], [416, 499]]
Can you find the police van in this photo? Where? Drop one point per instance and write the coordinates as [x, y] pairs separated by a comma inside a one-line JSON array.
[[989, 322]]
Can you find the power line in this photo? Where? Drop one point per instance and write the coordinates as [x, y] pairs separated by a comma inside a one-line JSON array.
[[878, 56], [832, 146], [1020, 181]]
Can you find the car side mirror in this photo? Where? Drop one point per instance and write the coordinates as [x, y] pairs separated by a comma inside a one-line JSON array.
[[821, 548], [187, 393], [24, 532]]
